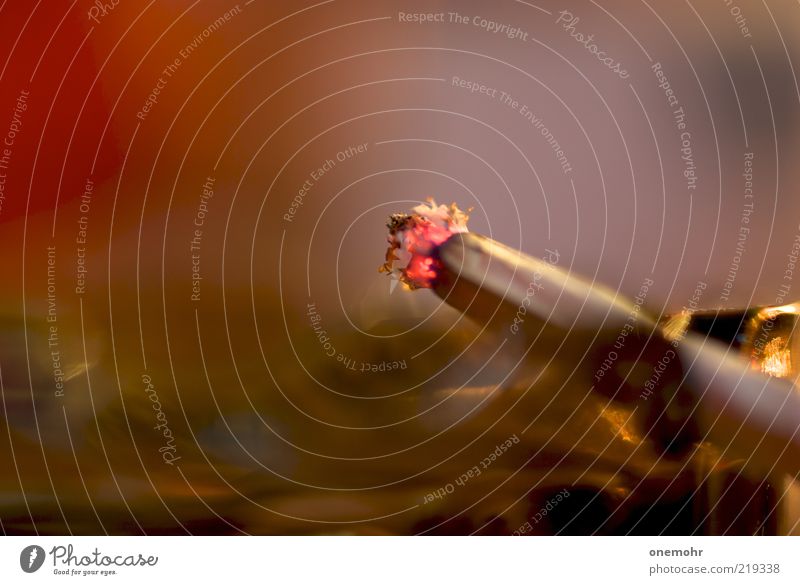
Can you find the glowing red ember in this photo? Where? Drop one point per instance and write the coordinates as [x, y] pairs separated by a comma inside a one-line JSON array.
[[413, 239]]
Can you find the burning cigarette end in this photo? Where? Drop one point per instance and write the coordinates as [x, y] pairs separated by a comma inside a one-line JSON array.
[[414, 238], [432, 248]]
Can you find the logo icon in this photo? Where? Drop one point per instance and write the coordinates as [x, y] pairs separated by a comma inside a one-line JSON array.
[[31, 558]]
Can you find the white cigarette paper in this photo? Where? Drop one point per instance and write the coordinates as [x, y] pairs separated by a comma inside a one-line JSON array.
[[559, 298]]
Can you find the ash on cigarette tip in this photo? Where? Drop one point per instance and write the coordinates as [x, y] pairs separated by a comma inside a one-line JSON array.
[[413, 239]]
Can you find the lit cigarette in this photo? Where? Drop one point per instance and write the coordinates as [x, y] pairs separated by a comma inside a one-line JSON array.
[[754, 416], [432, 248]]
